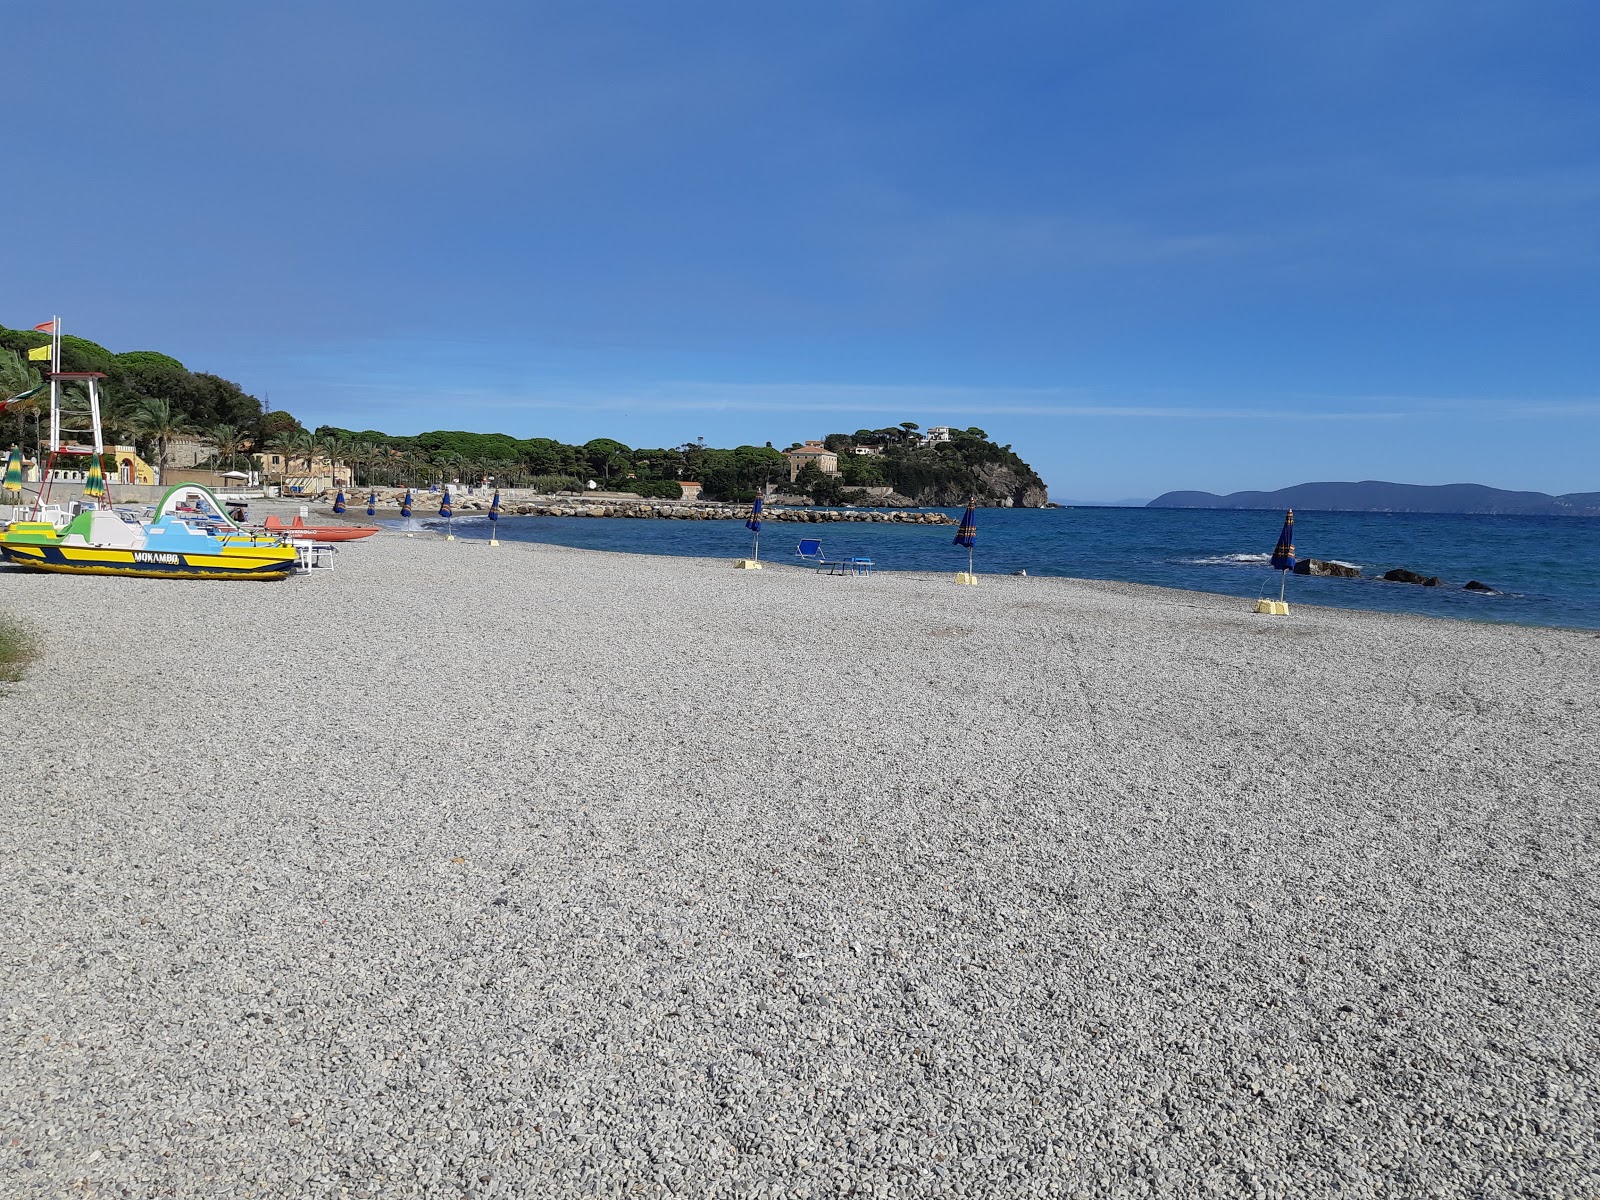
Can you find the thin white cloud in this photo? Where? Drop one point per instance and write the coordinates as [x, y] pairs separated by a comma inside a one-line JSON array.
[[864, 399]]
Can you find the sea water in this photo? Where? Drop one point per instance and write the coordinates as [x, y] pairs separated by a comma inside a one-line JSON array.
[[1544, 570]]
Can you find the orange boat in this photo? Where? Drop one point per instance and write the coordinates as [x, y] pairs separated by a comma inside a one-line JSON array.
[[320, 533]]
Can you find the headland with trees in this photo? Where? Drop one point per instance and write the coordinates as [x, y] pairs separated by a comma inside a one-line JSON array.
[[151, 399]]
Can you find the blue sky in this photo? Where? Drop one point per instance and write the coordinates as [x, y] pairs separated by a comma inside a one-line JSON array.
[[1152, 246]]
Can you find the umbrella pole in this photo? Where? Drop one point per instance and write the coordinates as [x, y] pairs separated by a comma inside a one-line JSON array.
[[757, 553], [969, 560], [1282, 580]]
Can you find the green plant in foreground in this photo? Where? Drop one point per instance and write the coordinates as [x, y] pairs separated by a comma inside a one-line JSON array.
[[16, 650]]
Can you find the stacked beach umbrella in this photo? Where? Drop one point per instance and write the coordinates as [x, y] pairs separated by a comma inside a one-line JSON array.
[[494, 518], [448, 512], [94, 483], [13, 478]]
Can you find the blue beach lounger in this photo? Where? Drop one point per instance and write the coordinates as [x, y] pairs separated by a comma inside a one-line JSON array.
[[809, 550]]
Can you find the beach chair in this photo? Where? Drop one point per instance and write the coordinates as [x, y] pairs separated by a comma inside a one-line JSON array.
[[809, 551]]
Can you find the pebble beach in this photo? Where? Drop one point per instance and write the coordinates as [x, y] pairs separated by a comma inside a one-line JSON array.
[[471, 871]]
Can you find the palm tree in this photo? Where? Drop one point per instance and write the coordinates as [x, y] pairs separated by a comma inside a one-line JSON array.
[[306, 447], [17, 377], [361, 454], [286, 446], [339, 450], [229, 440], [155, 418]]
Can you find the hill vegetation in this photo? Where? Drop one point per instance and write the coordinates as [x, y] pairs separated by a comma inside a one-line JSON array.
[[151, 398], [925, 472]]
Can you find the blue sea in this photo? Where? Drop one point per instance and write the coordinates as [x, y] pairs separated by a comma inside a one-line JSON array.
[[1544, 570]]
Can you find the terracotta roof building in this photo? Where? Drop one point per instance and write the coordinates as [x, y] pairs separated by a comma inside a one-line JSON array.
[[812, 452]]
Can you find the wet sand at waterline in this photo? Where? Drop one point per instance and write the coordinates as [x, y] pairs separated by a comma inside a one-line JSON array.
[[534, 871]]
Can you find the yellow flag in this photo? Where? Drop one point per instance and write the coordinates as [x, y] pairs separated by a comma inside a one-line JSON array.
[[39, 354]]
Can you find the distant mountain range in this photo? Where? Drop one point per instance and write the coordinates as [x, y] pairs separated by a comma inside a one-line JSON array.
[[1372, 495]]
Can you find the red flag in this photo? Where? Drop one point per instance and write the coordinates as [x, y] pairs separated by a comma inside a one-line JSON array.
[[45, 327]]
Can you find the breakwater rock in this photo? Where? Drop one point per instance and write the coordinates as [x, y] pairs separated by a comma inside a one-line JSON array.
[[425, 505], [1324, 567], [712, 512]]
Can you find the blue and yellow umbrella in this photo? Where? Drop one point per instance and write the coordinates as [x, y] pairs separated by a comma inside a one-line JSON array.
[[405, 505], [372, 504], [13, 479], [338, 501], [1283, 552], [754, 526], [445, 510], [94, 483], [494, 517], [967, 534]]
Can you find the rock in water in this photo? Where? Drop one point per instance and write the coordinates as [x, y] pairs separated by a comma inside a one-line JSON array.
[[1317, 566], [1472, 585], [1401, 575]]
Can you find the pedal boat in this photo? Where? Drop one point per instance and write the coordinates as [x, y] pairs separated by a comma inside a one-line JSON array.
[[101, 542], [319, 533]]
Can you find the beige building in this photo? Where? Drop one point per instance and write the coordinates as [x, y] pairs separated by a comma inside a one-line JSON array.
[[812, 452], [186, 451], [290, 471]]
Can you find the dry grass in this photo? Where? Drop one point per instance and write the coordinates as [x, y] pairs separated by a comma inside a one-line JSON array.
[[16, 650]]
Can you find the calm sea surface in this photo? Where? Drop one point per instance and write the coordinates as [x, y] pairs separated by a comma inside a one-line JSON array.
[[1545, 570]]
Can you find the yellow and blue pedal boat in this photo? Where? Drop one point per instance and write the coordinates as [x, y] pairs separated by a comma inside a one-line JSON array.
[[101, 541]]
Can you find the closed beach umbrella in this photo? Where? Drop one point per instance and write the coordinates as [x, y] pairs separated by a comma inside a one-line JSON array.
[[448, 514], [338, 501], [754, 526], [1283, 552], [372, 504], [967, 534], [494, 516], [95, 483], [405, 505], [13, 480]]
